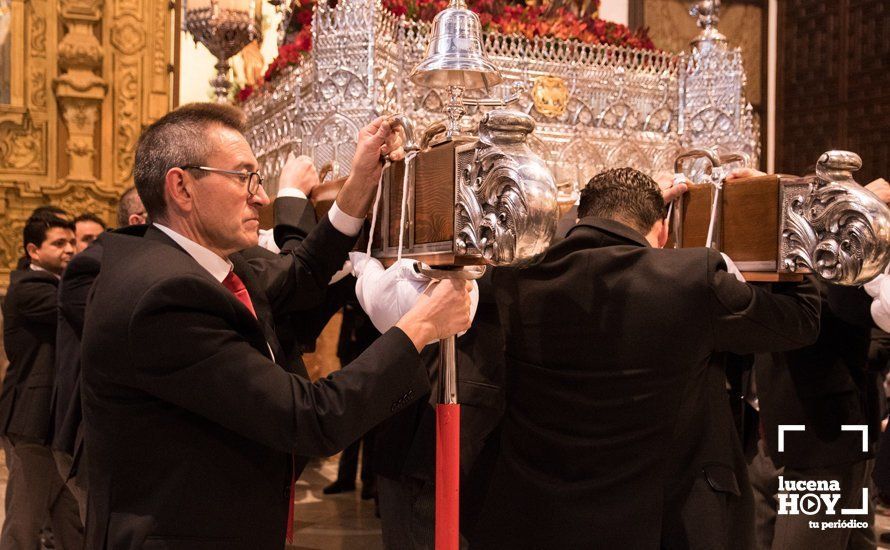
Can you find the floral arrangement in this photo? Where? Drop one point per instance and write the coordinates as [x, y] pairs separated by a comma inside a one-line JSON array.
[[526, 18]]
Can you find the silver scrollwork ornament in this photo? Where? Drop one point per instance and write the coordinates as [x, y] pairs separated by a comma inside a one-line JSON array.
[[837, 228], [506, 205]]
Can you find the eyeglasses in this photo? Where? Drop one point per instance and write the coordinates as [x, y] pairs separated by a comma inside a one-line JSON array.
[[254, 179]]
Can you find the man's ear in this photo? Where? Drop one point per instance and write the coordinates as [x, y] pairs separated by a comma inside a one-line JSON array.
[[32, 248], [660, 232], [178, 190], [657, 235]]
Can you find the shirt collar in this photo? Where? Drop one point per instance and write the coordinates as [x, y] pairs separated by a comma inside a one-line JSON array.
[[38, 268], [218, 266]]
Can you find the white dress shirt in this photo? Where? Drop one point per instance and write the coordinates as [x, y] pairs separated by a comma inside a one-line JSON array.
[[38, 268], [218, 266]]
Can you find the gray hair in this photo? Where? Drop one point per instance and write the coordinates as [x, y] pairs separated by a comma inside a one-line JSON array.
[[127, 205], [177, 139]]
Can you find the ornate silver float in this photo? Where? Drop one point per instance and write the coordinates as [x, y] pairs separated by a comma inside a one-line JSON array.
[[594, 107]]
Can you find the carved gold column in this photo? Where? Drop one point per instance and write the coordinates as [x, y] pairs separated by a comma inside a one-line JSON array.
[[80, 89], [87, 76]]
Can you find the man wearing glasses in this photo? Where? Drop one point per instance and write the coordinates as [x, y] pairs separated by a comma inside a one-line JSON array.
[[191, 416]]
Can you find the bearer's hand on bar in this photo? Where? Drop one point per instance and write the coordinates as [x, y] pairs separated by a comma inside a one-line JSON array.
[[881, 188], [298, 173], [670, 189], [375, 141], [442, 311], [744, 172]]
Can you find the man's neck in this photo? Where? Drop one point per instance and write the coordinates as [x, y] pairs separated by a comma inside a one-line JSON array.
[[36, 266], [186, 230]]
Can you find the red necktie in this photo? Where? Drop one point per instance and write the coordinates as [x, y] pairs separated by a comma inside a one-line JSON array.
[[236, 287]]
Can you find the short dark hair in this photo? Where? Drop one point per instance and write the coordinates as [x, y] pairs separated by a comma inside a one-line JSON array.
[[49, 210], [625, 195], [128, 204], [177, 139], [90, 217], [35, 232]]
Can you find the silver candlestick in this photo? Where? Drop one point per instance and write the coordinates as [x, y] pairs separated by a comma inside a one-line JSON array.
[[224, 27]]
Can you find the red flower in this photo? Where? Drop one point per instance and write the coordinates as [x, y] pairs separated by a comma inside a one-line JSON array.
[[303, 40], [303, 17], [244, 93]]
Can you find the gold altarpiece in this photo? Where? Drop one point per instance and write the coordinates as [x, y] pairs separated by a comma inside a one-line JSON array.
[[85, 77]]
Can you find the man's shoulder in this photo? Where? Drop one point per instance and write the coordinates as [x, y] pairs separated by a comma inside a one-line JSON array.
[[28, 280], [87, 262], [699, 259], [29, 275], [686, 270], [28, 288], [134, 264]]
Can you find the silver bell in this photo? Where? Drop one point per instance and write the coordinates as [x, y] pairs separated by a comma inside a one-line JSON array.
[[454, 54]]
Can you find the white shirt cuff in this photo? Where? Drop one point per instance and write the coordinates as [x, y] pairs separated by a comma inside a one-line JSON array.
[[291, 192], [343, 222]]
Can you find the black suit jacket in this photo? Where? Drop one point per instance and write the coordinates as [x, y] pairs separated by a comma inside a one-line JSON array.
[[189, 424], [29, 337], [74, 288], [823, 386], [706, 447], [602, 338], [292, 226]]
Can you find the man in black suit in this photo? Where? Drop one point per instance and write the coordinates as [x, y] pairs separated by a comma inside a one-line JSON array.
[[822, 387], [191, 419], [35, 490], [74, 289], [357, 332], [602, 339]]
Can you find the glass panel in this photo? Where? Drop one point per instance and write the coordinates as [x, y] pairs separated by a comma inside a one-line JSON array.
[[5, 50]]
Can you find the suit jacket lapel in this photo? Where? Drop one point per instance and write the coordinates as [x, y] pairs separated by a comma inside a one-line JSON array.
[[260, 304]]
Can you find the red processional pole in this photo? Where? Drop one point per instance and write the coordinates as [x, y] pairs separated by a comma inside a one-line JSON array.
[[447, 450], [448, 424]]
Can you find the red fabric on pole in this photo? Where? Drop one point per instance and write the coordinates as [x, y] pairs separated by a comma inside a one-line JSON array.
[[289, 538], [447, 477]]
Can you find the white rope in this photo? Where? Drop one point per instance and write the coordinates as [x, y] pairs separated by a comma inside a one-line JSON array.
[[374, 211], [713, 222], [408, 158]]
